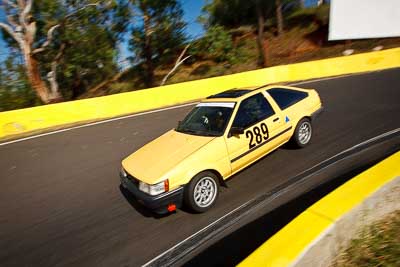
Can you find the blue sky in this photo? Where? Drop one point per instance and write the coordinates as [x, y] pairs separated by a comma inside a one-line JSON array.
[[191, 8], [3, 49]]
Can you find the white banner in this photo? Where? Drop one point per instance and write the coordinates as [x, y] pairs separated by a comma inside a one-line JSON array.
[[359, 19]]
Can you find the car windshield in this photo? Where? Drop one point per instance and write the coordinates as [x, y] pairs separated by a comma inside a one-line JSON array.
[[207, 119]]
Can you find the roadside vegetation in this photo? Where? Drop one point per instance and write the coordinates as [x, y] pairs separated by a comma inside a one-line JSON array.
[[377, 245], [67, 50]]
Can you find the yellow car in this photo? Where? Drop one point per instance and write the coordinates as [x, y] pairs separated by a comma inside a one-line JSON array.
[[221, 135]]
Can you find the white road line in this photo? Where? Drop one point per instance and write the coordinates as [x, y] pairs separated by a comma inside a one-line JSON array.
[[152, 111], [198, 232], [317, 80], [249, 201], [331, 78], [96, 123], [352, 148]]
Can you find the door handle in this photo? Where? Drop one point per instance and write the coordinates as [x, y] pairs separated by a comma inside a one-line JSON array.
[[276, 119]]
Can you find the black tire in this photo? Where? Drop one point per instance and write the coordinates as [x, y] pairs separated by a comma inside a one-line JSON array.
[[200, 201], [302, 134]]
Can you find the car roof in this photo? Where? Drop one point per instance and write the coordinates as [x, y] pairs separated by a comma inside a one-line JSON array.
[[238, 94], [232, 95]]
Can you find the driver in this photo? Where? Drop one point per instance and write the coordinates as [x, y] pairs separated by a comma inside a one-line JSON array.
[[219, 121]]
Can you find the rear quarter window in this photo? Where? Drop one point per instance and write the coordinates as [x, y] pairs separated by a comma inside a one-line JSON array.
[[286, 97]]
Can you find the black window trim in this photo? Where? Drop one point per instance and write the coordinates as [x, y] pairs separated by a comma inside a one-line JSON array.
[[226, 126], [295, 102], [233, 119]]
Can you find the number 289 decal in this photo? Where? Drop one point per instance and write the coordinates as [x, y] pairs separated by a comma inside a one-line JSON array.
[[257, 135]]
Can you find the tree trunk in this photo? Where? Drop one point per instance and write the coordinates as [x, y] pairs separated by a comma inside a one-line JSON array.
[[32, 68], [148, 53], [262, 58], [24, 33], [40, 87], [33, 73], [279, 17]]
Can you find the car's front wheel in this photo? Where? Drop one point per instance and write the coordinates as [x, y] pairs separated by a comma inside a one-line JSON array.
[[303, 133], [202, 192]]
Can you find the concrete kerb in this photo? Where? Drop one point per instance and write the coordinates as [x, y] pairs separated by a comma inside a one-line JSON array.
[[326, 248], [317, 235]]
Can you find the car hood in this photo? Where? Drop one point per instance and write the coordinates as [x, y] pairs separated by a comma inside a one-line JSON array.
[[155, 159]]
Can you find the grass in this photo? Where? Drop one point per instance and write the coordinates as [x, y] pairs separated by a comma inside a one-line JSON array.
[[377, 245]]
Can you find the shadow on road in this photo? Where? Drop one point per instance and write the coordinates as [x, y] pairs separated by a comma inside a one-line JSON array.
[[140, 208], [235, 247]]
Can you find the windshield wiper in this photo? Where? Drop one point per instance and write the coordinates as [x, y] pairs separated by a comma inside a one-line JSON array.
[[194, 132], [185, 130]]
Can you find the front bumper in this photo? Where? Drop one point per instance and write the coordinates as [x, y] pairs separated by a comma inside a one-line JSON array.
[[158, 204]]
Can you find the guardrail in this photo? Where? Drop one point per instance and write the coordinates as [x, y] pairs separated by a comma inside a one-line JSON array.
[[32, 119], [315, 236]]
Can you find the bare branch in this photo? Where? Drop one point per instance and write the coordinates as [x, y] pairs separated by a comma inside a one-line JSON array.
[[21, 4], [52, 75], [7, 28], [182, 54], [9, 3], [48, 41], [11, 20], [60, 53], [11, 32], [27, 9], [80, 9], [178, 62]]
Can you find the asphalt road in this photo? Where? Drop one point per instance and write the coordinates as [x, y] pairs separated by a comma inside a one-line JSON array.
[[61, 204]]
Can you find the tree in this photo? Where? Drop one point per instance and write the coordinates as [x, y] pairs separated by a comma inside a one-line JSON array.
[[261, 42], [178, 62], [50, 33], [232, 14], [215, 44], [158, 36], [279, 16], [15, 91], [24, 33]]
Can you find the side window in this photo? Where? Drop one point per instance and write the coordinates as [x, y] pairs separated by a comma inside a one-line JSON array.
[[252, 110], [286, 97]]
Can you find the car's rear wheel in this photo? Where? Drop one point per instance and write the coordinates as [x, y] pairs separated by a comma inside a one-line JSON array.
[[202, 192], [303, 133]]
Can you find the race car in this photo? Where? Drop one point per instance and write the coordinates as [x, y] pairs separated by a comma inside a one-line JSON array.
[[223, 134]]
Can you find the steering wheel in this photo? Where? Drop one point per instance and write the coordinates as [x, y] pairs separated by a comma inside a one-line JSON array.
[[206, 122]]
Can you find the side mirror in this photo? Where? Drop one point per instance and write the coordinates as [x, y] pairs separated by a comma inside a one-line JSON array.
[[236, 131]]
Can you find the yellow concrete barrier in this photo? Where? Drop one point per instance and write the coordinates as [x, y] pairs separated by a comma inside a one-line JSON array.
[[31, 119], [291, 242]]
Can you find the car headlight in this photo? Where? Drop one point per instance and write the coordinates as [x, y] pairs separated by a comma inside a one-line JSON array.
[[123, 172], [154, 189]]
